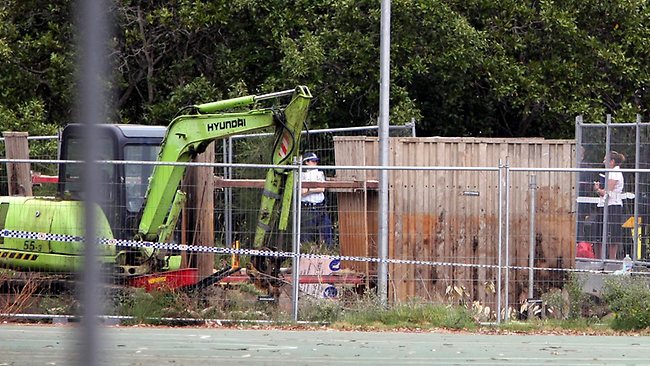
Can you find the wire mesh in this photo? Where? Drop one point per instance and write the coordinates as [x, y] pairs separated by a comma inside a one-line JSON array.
[[419, 267], [444, 244], [596, 140]]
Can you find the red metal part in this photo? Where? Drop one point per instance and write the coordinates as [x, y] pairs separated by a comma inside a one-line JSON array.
[[40, 179], [305, 279], [189, 276], [166, 280]]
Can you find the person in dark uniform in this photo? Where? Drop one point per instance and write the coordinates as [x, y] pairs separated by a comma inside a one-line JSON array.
[[316, 225]]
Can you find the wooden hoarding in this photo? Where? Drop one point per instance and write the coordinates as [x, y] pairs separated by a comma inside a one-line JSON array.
[[451, 216]]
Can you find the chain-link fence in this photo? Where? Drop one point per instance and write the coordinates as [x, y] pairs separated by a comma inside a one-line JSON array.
[[622, 210], [495, 239], [444, 246]]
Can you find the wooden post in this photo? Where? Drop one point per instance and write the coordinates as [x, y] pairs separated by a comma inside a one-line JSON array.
[[185, 260], [19, 177], [200, 189]]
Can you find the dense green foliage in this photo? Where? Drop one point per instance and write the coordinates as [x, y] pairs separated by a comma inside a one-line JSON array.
[[471, 67], [629, 299]]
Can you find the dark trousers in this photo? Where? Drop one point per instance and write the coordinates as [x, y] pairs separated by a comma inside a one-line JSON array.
[[615, 231], [586, 222], [315, 225]]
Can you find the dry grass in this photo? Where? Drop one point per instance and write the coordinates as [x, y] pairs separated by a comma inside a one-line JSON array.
[[18, 298]]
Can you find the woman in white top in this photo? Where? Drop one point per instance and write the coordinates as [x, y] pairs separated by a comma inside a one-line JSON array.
[[612, 194]]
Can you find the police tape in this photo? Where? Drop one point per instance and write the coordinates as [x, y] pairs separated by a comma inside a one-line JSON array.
[[17, 234]]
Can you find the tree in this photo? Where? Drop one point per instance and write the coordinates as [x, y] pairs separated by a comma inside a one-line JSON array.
[[37, 65], [460, 68]]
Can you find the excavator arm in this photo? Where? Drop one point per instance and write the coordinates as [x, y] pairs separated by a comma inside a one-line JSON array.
[[189, 135]]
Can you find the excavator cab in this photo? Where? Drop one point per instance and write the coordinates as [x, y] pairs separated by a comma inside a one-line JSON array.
[[123, 186]]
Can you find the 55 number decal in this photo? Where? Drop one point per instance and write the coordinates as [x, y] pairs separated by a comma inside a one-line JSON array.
[[31, 245]]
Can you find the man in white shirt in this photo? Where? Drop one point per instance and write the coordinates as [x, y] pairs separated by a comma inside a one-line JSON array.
[[316, 225]]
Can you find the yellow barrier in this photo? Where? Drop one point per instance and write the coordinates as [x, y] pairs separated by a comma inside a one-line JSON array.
[[629, 224]]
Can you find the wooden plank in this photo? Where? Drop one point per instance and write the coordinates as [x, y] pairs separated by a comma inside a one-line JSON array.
[[372, 209], [522, 252], [371, 146], [398, 214], [201, 202], [446, 272], [410, 216], [460, 219], [353, 229], [423, 250], [517, 203], [423, 224], [441, 212], [474, 208], [482, 250], [464, 183], [334, 185], [416, 194], [352, 205]]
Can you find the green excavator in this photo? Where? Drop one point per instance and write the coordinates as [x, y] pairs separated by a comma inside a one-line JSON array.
[[142, 202]]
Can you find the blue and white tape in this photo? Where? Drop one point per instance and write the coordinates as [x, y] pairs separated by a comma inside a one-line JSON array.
[[255, 252]]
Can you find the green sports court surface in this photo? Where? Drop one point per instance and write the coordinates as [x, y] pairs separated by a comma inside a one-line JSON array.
[[58, 345]]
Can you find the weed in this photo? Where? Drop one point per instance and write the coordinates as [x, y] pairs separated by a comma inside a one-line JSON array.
[[570, 302], [629, 299], [519, 326], [557, 303], [20, 298], [459, 296], [149, 307], [249, 288], [412, 314], [320, 310], [318, 248], [59, 305], [579, 301]]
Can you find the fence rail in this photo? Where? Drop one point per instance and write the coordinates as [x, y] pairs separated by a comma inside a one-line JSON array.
[[491, 221], [467, 244]]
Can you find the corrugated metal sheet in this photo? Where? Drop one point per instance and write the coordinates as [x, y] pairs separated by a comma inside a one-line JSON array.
[[452, 216]]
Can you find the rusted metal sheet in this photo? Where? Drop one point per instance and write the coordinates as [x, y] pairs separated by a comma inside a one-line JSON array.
[[452, 216]]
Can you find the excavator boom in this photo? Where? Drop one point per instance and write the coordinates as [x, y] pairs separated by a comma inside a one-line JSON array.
[[189, 135]]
